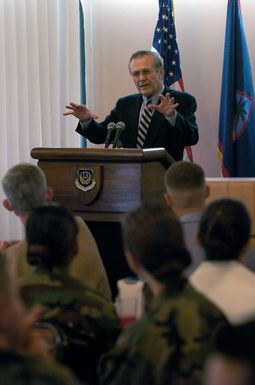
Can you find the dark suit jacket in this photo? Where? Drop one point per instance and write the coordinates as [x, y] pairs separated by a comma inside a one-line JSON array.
[[160, 133]]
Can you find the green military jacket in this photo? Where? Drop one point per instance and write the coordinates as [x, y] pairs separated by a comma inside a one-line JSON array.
[[168, 345], [17, 369], [87, 323]]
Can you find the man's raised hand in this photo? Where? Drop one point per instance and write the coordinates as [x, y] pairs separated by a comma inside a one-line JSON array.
[[80, 111]]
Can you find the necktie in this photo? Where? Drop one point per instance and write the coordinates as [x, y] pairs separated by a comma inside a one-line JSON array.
[[144, 123]]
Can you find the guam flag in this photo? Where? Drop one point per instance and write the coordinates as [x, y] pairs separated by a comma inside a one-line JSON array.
[[236, 144]]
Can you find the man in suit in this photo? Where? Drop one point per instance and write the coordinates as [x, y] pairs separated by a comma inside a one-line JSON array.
[[172, 125]]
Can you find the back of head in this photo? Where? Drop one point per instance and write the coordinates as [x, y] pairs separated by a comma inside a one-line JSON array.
[[25, 187], [233, 359], [224, 229], [185, 182], [51, 233], [153, 235], [237, 341]]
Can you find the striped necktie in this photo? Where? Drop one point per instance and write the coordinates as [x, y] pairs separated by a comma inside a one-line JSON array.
[[144, 123]]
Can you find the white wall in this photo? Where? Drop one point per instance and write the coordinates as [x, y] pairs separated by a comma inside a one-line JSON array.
[[117, 28]]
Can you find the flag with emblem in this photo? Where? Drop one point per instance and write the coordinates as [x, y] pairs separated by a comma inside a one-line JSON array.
[[165, 43], [236, 144]]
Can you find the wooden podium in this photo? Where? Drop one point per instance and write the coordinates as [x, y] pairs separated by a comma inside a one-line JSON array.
[[100, 185]]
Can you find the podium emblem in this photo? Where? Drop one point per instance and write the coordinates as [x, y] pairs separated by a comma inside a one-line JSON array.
[[85, 179]]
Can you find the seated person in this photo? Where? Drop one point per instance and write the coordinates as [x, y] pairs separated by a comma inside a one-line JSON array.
[[186, 192], [170, 342], [25, 187], [23, 359], [85, 320], [233, 359], [224, 233]]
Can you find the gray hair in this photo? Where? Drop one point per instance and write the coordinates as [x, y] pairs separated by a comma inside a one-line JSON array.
[[25, 186], [158, 61]]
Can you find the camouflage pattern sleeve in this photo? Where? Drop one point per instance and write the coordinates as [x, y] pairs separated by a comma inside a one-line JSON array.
[[86, 322], [28, 370], [168, 345]]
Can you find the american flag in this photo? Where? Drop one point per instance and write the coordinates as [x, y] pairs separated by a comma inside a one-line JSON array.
[[165, 43]]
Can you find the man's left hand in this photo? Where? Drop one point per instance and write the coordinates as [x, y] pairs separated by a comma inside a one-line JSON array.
[[166, 106]]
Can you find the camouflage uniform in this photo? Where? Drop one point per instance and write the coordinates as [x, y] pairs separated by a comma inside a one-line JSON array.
[[18, 369], [168, 345], [87, 265], [86, 322]]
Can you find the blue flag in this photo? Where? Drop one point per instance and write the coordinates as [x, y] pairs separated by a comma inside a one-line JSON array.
[[165, 43], [237, 116]]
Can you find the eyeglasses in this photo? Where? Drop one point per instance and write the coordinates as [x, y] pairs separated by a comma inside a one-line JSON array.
[[145, 73]]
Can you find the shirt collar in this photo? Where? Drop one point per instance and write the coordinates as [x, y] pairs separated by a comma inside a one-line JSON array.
[[154, 98]]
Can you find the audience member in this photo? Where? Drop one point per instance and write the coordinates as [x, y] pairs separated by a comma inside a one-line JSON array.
[[85, 320], [169, 343], [186, 192], [23, 359], [224, 233], [233, 359], [25, 187]]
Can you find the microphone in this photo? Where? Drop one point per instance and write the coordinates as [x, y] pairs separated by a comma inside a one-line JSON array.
[[110, 129], [120, 126]]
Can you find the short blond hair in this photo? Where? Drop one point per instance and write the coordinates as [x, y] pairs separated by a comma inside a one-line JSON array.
[[185, 182]]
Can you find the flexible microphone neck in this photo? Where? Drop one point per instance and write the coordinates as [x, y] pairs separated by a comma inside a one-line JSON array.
[[109, 137], [120, 126]]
